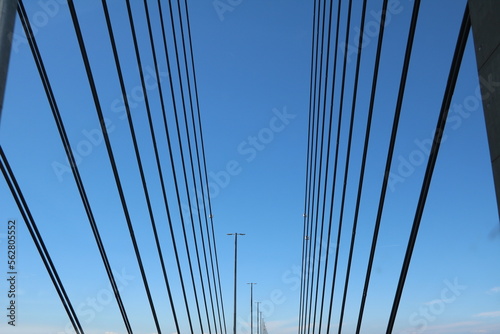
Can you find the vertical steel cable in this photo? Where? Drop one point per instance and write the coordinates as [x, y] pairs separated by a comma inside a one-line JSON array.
[[190, 153], [159, 166], [330, 126], [313, 225], [69, 153], [366, 140], [341, 107], [351, 129], [134, 140], [392, 142], [109, 149], [38, 241], [436, 143], [184, 172], [322, 150], [174, 101], [199, 158], [305, 241]]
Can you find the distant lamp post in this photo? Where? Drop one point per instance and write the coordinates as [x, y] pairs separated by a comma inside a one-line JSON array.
[[258, 318], [260, 322], [235, 266], [251, 307]]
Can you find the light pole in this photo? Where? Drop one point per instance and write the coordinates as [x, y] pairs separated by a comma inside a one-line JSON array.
[[258, 318], [251, 307], [235, 266], [260, 322]]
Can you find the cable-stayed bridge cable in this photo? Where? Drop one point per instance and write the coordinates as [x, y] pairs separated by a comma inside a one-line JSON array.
[[366, 140], [134, 141], [436, 143], [390, 153], [69, 153], [38, 241], [109, 149]]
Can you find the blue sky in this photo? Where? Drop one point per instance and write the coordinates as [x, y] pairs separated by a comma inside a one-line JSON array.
[[253, 68]]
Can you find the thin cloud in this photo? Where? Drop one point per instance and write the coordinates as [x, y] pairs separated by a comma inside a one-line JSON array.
[[454, 328], [493, 314], [494, 290], [461, 327]]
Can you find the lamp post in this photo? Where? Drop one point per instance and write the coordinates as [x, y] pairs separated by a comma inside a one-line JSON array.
[[260, 322], [251, 307], [235, 266], [258, 318]]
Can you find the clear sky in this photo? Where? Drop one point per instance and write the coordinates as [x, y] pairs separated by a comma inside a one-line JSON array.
[[253, 70]]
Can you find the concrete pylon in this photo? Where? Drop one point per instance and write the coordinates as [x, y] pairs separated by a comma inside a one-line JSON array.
[[7, 19], [485, 19]]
